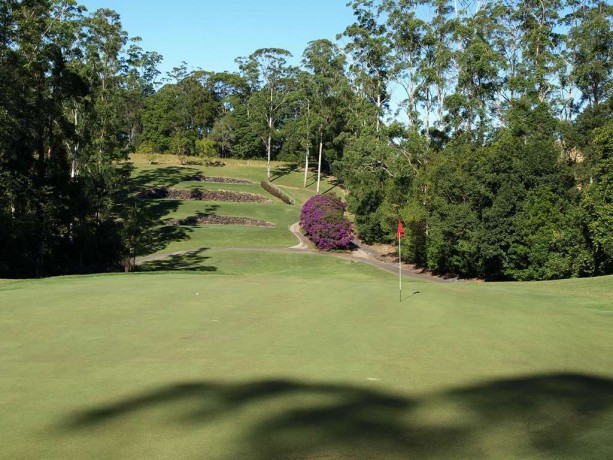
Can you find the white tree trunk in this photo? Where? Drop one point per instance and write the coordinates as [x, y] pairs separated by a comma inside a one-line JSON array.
[[268, 144], [321, 145], [378, 112], [75, 150], [306, 166], [268, 147], [428, 109], [441, 101]]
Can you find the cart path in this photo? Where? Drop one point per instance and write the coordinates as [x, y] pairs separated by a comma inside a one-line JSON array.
[[363, 254]]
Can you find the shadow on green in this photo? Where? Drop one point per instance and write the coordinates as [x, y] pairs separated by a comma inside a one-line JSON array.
[[163, 176], [334, 182], [154, 233], [283, 171], [546, 414], [189, 261]]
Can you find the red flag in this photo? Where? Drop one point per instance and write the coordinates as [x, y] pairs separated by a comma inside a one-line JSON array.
[[400, 231]]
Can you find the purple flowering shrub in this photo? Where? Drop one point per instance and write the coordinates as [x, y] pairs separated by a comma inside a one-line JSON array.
[[323, 220]]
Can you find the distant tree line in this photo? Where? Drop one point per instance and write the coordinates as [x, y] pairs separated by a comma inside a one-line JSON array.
[[486, 126]]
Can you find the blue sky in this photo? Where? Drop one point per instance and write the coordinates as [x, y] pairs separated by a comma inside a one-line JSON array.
[[210, 34]]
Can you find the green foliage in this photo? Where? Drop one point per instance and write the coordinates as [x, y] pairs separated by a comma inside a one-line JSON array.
[[590, 40], [547, 242], [598, 196], [72, 85], [381, 170], [206, 147], [494, 150], [508, 210]]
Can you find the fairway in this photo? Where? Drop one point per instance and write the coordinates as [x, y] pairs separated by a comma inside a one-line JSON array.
[[274, 355]]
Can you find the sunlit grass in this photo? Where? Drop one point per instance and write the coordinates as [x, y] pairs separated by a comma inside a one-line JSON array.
[[220, 353], [269, 355]]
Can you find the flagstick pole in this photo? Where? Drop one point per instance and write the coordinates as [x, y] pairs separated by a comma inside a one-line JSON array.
[[399, 270]]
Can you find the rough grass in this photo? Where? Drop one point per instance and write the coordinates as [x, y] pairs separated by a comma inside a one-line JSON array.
[[303, 356]]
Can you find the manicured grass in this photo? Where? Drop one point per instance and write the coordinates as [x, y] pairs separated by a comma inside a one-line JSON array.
[[279, 214], [265, 263], [272, 212], [274, 354], [219, 236], [303, 356], [290, 180], [215, 236]]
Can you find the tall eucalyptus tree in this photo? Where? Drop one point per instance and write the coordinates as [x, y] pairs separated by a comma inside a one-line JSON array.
[[270, 76], [370, 63], [326, 65], [590, 41]]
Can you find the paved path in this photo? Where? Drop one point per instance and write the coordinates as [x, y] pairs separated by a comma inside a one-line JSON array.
[[363, 254]]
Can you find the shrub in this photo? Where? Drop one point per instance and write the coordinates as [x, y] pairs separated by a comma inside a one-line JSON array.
[[206, 148], [148, 149], [276, 191], [324, 222]]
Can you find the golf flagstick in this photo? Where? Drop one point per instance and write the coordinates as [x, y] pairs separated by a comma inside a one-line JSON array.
[[399, 271], [399, 234]]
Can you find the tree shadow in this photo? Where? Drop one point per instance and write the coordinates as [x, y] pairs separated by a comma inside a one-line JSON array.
[[324, 177], [163, 177], [166, 230], [334, 184], [163, 235], [549, 414], [160, 208], [314, 180], [208, 211], [155, 232], [282, 171], [189, 261]]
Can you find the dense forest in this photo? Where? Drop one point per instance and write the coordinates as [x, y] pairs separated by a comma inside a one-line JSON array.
[[485, 126], [72, 88]]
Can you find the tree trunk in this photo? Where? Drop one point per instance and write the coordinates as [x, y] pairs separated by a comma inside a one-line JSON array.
[[75, 150], [268, 154], [378, 119], [441, 102], [268, 146], [428, 108], [321, 145], [306, 166]]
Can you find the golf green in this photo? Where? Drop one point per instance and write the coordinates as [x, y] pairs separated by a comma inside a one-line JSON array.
[[279, 355]]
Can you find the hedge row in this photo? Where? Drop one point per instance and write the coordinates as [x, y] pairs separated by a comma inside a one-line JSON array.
[[323, 220], [276, 191]]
